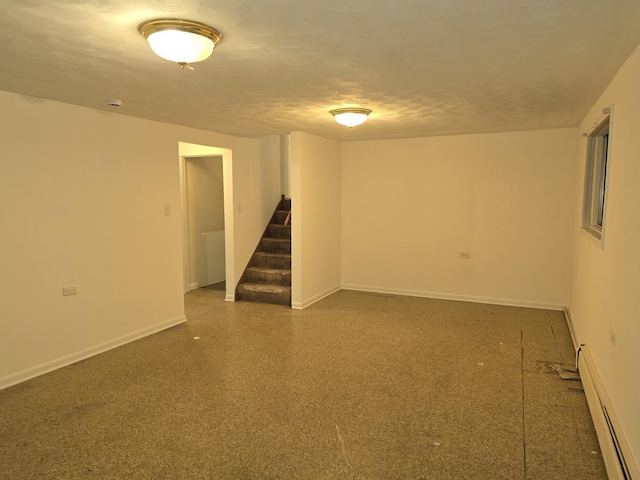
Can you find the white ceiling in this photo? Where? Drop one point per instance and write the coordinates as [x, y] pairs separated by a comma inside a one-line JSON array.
[[425, 67]]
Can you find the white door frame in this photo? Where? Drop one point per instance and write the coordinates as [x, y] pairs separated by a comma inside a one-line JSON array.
[[187, 150]]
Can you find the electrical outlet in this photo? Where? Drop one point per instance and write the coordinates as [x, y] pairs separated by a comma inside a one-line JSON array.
[[66, 291], [465, 254]]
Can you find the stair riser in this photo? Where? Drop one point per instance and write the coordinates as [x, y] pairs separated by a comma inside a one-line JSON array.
[[279, 231], [282, 261], [283, 279], [281, 216], [286, 205], [275, 246], [283, 298]]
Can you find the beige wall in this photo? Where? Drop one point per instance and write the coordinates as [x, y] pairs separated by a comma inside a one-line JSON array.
[[409, 207], [270, 172], [606, 282], [205, 213], [315, 183], [81, 200]]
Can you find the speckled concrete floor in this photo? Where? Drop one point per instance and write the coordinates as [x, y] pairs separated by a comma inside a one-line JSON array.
[[357, 386]]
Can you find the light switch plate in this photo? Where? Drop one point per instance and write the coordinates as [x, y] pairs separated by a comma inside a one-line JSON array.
[[66, 291]]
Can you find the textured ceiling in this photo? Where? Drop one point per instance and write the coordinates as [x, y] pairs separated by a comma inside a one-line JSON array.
[[425, 67]]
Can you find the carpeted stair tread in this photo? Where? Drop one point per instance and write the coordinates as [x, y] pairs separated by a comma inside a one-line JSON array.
[[276, 245], [272, 276], [273, 255], [272, 260], [260, 292], [279, 231], [279, 271], [281, 216], [277, 240], [264, 288]]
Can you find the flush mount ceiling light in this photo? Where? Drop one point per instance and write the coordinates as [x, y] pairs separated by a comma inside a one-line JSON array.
[[350, 117], [180, 41]]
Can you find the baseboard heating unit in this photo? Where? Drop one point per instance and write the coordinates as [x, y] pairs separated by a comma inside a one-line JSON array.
[[618, 458]]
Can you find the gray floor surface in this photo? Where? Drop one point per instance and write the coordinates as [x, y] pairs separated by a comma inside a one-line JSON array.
[[357, 386]]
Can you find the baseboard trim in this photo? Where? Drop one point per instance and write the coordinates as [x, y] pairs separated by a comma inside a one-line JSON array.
[[572, 330], [450, 296], [315, 298], [616, 453], [47, 367]]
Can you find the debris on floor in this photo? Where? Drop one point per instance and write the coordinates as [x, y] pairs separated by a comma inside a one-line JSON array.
[[568, 375], [543, 366], [564, 370]]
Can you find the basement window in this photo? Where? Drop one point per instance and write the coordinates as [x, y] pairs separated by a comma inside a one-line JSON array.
[[595, 177]]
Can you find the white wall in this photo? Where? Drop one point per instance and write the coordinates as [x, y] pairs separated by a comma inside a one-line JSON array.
[[315, 209], [205, 212], [270, 172], [81, 200], [606, 283], [410, 206]]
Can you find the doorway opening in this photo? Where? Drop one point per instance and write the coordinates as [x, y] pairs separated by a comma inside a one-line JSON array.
[[206, 183]]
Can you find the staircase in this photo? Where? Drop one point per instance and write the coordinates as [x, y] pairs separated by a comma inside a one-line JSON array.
[[267, 278]]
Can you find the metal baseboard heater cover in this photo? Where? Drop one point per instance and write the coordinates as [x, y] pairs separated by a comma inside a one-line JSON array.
[[617, 455]]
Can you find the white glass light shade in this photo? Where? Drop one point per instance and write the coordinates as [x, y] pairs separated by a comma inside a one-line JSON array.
[[181, 41], [180, 46], [350, 117]]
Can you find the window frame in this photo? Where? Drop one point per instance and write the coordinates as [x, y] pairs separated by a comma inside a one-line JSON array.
[[596, 176]]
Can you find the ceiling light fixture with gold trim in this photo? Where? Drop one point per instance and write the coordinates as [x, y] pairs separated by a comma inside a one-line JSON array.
[[350, 117], [180, 41]]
